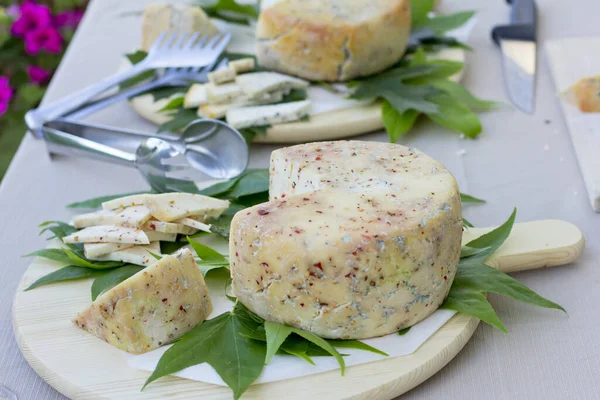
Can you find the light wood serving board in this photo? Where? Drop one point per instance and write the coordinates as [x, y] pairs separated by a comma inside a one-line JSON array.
[[83, 367]]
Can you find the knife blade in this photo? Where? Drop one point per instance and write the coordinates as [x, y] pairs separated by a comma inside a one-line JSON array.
[[517, 42]]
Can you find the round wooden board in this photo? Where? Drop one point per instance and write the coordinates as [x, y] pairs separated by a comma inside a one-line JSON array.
[[81, 366], [332, 125]]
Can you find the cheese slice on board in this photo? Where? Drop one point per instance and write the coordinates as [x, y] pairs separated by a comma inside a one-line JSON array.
[[360, 239], [108, 234], [268, 115], [255, 84], [168, 227], [226, 93], [152, 308], [127, 201], [138, 255], [195, 96], [131, 217], [92, 250], [169, 207], [194, 224], [155, 236]]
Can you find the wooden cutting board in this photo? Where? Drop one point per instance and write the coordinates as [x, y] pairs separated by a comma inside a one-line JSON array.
[[81, 366]]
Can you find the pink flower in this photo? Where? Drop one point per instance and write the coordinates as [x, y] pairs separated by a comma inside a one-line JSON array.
[[6, 93], [32, 17], [47, 39], [67, 19], [38, 75]]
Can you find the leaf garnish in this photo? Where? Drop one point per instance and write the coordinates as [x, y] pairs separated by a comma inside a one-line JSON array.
[[180, 119], [64, 274], [276, 334], [206, 253], [404, 331], [467, 198], [96, 202], [112, 278]]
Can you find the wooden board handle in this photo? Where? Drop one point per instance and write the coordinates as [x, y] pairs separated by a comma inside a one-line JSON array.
[[536, 244]]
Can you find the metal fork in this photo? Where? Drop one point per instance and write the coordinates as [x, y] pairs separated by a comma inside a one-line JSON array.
[[174, 50], [171, 77]]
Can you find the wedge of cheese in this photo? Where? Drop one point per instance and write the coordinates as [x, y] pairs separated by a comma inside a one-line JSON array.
[[152, 308], [108, 234], [194, 224], [131, 217], [226, 93], [360, 239], [195, 96], [138, 255], [168, 227], [169, 207], [92, 250], [127, 201], [268, 115], [256, 84]]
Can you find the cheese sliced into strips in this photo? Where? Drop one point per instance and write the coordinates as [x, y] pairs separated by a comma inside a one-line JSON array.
[[195, 96], [154, 236], [138, 255], [98, 249], [138, 320], [256, 84], [131, 217], [168, 227], [127, 201], [227, 93], [195, 224], [169, 207], [108, 234], [102, 217], [222, 76], [243, 65], [268, 115], [220, 110]]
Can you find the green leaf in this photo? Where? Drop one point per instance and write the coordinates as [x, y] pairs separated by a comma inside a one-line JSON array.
[[156, 256], [466, 198], [64, 274], [251, 132], [135, 58], [404, 331], [113, 278], [182, 118], [455, 115], [220, 342], [252, 182], [276, 334], [298, 348], [472, 303], [419, 10], [356, 344], [96, 202], [220, 226], [205, 268], [206, 253], [58, 228], [443, 69], [467, 251], [323, 344], [175, 104], [444, 23], [460, 93], [81, 261], [171, 247], [230, 10], [467, 223], [51, 254], [492, 240], [397, 124]]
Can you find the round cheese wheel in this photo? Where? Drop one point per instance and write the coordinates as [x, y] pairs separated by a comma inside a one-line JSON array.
[[332, 40], [358, 240]]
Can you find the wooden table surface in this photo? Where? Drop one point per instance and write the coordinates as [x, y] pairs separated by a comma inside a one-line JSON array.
[[520, 160]]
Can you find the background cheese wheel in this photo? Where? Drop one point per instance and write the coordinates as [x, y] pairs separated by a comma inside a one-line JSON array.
[[332, 40], [360, 239]]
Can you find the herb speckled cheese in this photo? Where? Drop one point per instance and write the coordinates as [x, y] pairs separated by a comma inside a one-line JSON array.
[[332, 40], [152, 308], [359, 239]]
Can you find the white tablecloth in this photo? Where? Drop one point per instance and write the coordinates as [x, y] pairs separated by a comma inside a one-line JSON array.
[[523, 161]]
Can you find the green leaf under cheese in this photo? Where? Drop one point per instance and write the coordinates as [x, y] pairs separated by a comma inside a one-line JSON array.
[[467, 198], [64, 274], [419, 11], [396, 124], [112, 278], [206, 253], [276, 334], [440, 24], [454, 115]]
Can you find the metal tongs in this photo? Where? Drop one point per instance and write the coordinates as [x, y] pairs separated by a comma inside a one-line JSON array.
[[206, 149]]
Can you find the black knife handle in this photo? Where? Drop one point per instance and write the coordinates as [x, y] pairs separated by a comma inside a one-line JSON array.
[[523, 22], [523, 12], [514, 32]]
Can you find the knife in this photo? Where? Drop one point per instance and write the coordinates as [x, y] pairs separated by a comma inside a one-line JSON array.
[[517, 41]]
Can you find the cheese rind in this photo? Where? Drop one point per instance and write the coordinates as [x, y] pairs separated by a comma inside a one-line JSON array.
[[169, 207], [108, 234], [138, 255], [152, 308], [360, 239]]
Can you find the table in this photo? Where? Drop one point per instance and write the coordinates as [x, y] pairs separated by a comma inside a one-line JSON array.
[[520, 160]]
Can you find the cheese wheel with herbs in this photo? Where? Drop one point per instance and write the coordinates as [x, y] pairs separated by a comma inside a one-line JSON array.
[[332, 40], [358, 240]]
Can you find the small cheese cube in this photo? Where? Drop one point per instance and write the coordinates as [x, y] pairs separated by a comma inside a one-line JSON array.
[[243, 65]]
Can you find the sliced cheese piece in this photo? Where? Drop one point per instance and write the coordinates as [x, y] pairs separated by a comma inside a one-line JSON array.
[[138, 255], [131, 217], [195, 224], [168, 227], [152, 308], [256, 84], [108, 234], [127, 201], [159, 18], [92, 250], [220, 110], [169, 207], [221, 76], [243, 65], [226, 93], [360, 239], [154, 236], [195, 96], [268, 115]]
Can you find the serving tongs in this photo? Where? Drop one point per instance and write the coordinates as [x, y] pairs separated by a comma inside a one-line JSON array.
[[206, 149]]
